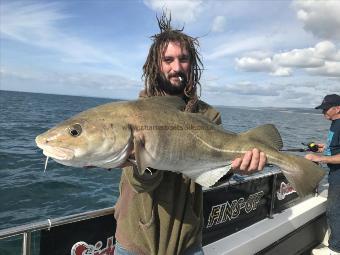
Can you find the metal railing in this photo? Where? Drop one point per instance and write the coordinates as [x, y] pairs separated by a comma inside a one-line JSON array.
[[26, 230]]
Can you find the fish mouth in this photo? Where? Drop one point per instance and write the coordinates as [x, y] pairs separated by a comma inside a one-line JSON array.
[[54, 152], [58, 153]]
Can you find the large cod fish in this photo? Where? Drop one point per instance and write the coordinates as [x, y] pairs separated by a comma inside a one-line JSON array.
[[163, 136]]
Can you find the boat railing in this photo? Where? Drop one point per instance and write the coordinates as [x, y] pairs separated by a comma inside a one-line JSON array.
[[27, 230]]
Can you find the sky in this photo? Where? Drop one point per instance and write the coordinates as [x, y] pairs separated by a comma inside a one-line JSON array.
[[255, 53]]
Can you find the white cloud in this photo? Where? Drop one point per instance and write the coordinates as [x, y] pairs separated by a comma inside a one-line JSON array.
[[218, 24], [40, 24], [183, 10], [322, 18], [331, 69], [298, 58], [323, 60], [253, 64], [250, 64], [21, 18], [327, 50], [282, 71]]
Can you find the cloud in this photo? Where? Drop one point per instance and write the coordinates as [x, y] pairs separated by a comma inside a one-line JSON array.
[[323, 60], [298, 58], [218, 24], [41, 24], [254, 64], [281, 71], [330, 69], [183, 11], [237, 45], [251, 89], [309, 91], [245, 88], [84, 80], [273, 29], [327, 50], [281, 93], [321, 18], [251, 64], [20, 19]]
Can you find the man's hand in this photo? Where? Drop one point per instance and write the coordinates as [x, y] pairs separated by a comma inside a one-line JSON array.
[[314, 157], [251, 162], [321, 147]]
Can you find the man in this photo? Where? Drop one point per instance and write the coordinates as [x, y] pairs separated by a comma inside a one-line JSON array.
[[331, 109], [161, 212]]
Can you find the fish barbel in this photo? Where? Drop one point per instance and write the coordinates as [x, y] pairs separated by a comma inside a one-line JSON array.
[[164, 137]]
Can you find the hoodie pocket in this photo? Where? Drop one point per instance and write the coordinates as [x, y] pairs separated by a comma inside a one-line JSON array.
[[147, 222]]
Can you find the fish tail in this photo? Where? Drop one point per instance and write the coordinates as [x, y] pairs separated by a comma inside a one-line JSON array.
[[304, 175]]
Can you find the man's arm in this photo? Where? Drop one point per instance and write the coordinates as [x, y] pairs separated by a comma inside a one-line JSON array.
[[335, 159]]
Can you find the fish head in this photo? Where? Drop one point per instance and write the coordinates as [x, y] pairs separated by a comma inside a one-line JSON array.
[[88, 142]]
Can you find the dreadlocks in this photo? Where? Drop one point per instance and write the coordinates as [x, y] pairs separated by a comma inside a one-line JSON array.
[[151, 68]]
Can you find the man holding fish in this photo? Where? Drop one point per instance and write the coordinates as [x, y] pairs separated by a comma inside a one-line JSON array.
[[161, 212], [169, 144]]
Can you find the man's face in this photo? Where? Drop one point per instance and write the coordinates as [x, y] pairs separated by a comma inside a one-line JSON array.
[[332, 113], [175, 66]]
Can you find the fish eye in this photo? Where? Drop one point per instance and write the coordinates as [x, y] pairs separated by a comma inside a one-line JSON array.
[[75, 130]]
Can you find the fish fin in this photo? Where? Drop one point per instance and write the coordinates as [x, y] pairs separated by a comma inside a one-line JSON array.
[[139, 148], [209, 178], [267, 134], [304, 175], [169, 101]]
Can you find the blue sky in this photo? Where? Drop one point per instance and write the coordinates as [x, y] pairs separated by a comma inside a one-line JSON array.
[[255, 53]]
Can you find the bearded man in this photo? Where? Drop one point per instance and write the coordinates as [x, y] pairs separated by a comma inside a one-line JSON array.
[[161, 212]]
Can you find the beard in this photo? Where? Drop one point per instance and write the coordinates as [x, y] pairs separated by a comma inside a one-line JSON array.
[[165, 84]]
